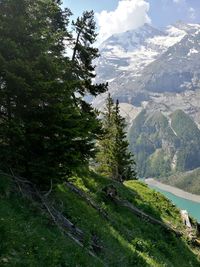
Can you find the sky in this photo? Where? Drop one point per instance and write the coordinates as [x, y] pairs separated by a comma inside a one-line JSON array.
[[114, 16]]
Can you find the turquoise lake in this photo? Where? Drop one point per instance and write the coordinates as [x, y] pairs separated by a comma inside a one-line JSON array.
[[193, 208]]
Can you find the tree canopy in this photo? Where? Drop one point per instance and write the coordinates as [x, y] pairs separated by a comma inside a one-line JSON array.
[[114, 158], [47, 129]]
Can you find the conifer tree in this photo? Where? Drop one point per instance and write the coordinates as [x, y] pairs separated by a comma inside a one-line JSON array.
[[44, 133], [84, 54], [113, 158], [123, 159], [105, 155]]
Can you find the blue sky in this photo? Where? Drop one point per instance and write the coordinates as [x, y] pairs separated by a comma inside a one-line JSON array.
[[160, 12], [165, 12], [77, 6]]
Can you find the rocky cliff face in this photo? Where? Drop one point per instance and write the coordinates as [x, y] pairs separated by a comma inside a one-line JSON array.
[[154, 73]]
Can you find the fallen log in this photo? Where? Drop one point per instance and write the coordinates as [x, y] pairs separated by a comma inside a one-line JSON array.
[[111, 193], [29, 190], [149, 218], [67, 227], [87, 199]]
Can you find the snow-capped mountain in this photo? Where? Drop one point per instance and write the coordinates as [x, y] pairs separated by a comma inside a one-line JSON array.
[[133, 50], [144, 67], [156, 77]]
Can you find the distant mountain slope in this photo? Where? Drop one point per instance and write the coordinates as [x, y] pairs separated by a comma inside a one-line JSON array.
[[163, 145], [126, 57], [128, 53], [149, 67], [176, 70], [157, 72], [188, 181]]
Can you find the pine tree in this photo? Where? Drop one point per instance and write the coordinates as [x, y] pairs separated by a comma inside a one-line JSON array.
[[82, 74], [46, 130], [123, 159], [105, 155], [84, 54], [114, 158]]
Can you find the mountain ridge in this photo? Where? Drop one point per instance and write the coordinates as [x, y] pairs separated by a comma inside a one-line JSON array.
[[159, 73], [124, 70]]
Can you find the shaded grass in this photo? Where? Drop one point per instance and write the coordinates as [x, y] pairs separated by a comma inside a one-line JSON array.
[[30, 239]]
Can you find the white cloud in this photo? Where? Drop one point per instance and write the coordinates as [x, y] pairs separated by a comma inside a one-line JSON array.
[[192, 13], [129, 14], [179, 1]]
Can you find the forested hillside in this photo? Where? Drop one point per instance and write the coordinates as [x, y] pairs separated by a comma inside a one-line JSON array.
[[164, 144], [187, 181]]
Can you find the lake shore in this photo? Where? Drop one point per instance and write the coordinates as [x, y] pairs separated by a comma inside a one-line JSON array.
[[173, 190]]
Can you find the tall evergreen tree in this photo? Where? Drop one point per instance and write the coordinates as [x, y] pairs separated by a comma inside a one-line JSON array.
[[83, 55], [82, 74], [105, 144], [44, 133], [124, 162], [113, 158]]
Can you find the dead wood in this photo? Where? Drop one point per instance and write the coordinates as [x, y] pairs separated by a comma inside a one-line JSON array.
[[114, 196], [87, 199], [110, 191], [29, 190]]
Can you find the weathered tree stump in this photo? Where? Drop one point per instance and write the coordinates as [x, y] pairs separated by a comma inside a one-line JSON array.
[[110, 191]]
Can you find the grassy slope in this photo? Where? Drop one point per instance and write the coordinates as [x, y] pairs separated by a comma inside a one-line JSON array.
[[29, 239], [188, 181]]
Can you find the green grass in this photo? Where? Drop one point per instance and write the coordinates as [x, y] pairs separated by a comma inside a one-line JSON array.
[[30, 239]]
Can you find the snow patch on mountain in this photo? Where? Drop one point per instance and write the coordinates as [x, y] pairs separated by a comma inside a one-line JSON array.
[[153, 69], [131, 51], [193, 51]]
